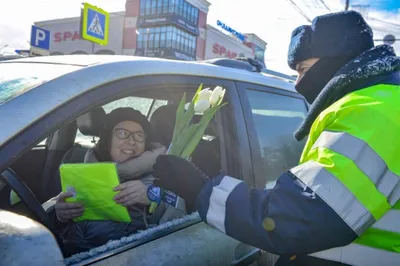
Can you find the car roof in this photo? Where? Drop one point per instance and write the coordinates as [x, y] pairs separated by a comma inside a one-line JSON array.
[[77, 60], [162, 66], [96, 70]]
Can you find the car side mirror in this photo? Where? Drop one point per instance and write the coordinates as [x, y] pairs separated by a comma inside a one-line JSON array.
[[26, 242]]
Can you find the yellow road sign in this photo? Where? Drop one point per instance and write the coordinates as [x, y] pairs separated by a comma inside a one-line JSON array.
[[95, 24]]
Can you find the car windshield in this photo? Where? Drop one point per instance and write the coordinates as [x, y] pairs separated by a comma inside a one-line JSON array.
[[18, 78]]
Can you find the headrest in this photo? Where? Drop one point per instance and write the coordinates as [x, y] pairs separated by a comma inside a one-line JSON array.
[[164, 112], [89, 124], [163, 123]]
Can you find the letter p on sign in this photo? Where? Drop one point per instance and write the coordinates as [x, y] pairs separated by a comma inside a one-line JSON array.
[[40, 36]]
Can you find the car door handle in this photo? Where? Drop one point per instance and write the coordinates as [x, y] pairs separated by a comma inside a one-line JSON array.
[[247, 259]]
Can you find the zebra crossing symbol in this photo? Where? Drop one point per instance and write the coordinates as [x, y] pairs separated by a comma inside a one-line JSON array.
[[95, 26]]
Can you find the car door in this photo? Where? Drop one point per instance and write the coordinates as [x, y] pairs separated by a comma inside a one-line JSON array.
[[272, 116], [186, 241]]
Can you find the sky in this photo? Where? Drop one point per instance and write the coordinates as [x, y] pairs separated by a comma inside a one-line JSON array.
[[272, 20]]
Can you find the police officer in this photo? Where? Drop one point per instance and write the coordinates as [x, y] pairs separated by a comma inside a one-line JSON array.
[[340, 205]]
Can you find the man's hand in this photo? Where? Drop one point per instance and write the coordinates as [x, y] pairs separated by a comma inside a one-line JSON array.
[[67, 211], [131, 193], [181, 177]]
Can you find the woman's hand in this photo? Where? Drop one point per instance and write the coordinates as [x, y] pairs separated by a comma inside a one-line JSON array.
[[131, 193], [67, 211]]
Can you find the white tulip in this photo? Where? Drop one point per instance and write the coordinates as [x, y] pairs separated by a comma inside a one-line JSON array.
[[187, 106], [201, 106], [217, 93], [204, 94]]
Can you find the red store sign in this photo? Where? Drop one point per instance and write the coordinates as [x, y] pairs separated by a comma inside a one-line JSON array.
[[221, 50], [66, 36]]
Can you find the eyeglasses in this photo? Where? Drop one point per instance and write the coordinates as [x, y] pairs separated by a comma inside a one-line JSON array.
[[125, 134]]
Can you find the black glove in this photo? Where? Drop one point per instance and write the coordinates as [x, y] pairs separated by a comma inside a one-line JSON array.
[[181, 177]]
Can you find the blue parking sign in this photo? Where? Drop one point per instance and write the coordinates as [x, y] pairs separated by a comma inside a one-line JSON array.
[[95, 24], [40, 38]]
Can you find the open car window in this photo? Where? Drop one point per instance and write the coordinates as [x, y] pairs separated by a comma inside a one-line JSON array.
[[207, 157]]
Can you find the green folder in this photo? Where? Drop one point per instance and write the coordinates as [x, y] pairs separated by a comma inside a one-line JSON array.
[[92, 185]]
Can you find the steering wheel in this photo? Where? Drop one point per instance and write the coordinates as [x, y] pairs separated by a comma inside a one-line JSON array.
[[28, 198]]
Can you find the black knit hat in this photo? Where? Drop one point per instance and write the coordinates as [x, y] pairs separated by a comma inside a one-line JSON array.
[[114, 118], [341, 34], [126, 114]]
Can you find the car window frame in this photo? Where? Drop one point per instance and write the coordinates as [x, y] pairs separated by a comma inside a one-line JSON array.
[[69, 111], [254, 143]]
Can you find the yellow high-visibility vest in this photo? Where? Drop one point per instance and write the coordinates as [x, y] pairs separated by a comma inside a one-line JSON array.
[[352, 161]]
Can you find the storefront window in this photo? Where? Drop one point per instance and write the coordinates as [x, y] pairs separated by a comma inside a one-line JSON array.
[[196, 17], [176, 7], [148, 8], [153, 7], [142, 7], [174, 41], [187, 47], [162, 40], [140, 40], [185, 8], [180, 7], [151, 41], [165, 6], [192, 11], [159, 6], [156, 41], [169, 39], [171, 6], [193, 16]]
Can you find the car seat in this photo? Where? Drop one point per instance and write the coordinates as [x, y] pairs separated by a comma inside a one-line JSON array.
[[89, 124], [207, 154], [163, 123]]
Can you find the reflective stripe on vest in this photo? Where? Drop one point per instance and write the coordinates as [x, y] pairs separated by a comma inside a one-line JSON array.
[[217, 209], [366, 159], [359, 255], [364, 251], [378, 242], [335, 194], [347, 203]]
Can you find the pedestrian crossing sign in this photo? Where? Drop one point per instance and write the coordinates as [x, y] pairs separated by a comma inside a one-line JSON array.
[[95, 24]]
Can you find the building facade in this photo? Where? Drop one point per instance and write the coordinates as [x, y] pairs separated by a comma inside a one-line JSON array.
[[173, 29], [218, 44]]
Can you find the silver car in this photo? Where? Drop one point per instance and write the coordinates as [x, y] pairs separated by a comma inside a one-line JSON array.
[[48, 108]]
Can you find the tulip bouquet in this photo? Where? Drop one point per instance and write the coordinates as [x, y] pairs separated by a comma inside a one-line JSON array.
[[187, 135]]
